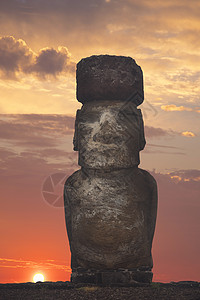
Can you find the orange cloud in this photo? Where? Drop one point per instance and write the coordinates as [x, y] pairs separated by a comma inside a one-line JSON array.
[[173, 107], [190, 176], [176, 178], [19, 263], [188, 134]]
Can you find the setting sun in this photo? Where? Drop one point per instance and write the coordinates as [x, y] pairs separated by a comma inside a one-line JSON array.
[[38, 277]]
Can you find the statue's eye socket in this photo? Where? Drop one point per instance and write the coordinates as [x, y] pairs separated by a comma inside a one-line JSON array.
[[89, 117], [128, 112], [123, 115]]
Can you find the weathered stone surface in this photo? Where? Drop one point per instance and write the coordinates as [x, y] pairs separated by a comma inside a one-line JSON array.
[[110, 204], [109, 135], [112, 277], [107, 77], [110, 218]]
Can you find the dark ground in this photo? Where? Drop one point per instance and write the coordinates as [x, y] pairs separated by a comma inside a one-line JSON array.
[[187, 290]]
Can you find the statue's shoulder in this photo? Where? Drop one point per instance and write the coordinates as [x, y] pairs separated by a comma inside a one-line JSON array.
[[72, 179], [147, 177]]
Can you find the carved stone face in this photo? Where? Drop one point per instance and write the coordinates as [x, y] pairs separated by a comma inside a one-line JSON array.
[[109, 135]]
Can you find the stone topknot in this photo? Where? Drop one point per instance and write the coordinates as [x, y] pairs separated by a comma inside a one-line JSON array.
[[109, 77]]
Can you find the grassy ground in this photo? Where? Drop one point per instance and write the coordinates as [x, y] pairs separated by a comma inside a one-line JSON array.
[[61, 290]]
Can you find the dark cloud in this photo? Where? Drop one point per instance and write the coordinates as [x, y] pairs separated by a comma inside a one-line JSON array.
[[16, 57], [35, 130], [53, 62], [162, 149], [43, 139], [48, 6], [24, 135], [32, 164], [5, 154], [58, 153], [43, 131], [52, 152], [70, 14], [157, 132], [163, 146], [159, 151], [59, 123], [35, 126]]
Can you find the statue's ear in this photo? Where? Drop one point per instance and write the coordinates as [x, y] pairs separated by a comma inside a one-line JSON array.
[[75, 139], [142, 141]]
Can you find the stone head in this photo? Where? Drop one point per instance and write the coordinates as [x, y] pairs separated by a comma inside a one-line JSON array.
[[109, 135]]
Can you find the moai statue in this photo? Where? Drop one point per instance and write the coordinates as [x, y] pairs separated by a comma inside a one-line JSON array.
[[110, 204]]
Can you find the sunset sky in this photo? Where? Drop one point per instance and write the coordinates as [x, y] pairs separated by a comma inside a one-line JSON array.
[[40, 43]]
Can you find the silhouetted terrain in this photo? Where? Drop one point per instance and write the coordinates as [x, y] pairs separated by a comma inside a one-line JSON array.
[[187, 290]]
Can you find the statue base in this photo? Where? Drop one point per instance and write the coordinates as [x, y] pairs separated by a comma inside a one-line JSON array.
[[112, 277]]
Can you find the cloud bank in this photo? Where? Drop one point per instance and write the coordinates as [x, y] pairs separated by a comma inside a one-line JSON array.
[[16, 57]]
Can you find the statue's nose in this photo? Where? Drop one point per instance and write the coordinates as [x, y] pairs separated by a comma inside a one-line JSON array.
[[105, 133]]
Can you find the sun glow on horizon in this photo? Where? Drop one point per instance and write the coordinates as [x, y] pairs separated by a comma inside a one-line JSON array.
[[38, 277]]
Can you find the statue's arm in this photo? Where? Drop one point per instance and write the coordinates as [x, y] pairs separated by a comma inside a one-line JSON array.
[[67, 212], [75, 138], [68, 216], [153, 208]]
